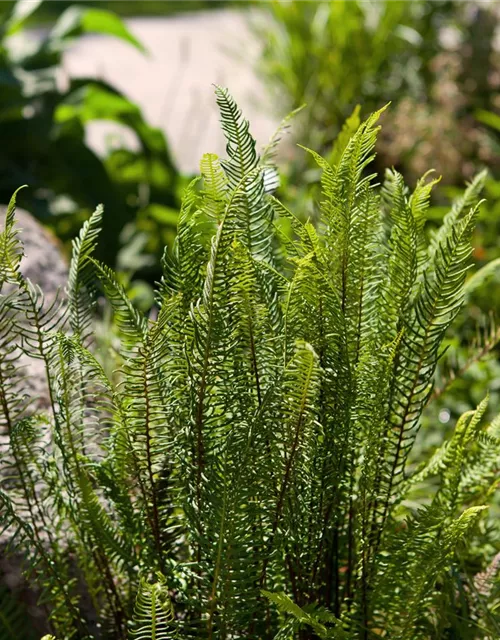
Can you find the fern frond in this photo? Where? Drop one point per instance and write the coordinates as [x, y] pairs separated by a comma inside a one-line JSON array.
[[130, 322], [254, 440], [419, 203], [256, 212], [313, 620], [11, 248], [459, 209], [104, 532], [269, 151], [349, 128], [214, 186], [81, 287], [402, 268], [153, 615], [437, 304], [183, 270]]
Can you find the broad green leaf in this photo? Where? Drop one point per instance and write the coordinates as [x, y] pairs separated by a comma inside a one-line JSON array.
[[78, 20], [21, 11], [93, 102], [489, 118], [162, 214]]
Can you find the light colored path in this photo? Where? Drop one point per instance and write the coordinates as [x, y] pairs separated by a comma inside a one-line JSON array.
[[173, 84]]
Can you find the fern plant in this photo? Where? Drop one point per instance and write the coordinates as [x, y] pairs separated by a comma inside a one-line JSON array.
[[244, 473]]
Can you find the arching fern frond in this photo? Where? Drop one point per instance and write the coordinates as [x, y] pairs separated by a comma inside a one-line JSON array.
[[257, 214], [131, 324], [459, 209]]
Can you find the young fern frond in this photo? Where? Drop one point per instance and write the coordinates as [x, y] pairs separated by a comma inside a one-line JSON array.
[[351, 125], [153, 615], [419, 203], [314, 619], [81, 282], [255, 210], [11, 249]]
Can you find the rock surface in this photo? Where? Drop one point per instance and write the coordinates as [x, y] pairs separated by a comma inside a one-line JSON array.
[[44, 264]]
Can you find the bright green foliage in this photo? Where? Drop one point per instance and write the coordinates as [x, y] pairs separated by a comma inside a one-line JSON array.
[[245, 473], [153, 615]]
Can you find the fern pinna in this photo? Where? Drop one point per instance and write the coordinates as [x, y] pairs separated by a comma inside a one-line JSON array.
[[244, 473]]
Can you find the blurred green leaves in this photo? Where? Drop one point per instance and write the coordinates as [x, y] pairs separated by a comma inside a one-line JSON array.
[[92, 102], [78, 20], [44, 117], [333, 54], [21, 12]]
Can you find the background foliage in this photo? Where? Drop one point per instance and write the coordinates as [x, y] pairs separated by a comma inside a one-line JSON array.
[[134, 7], [436, 62], [43, 114]]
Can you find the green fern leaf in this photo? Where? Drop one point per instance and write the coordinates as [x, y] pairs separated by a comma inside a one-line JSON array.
[[153, 615]]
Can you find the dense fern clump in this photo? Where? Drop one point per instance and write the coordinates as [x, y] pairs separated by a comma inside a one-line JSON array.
[[244, 473]]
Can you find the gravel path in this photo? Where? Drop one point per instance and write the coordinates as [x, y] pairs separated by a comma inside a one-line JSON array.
[[173, 83]]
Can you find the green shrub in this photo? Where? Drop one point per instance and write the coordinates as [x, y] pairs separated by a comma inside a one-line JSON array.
[[245, 474], [332, 55], [43, 120], [435, 61]]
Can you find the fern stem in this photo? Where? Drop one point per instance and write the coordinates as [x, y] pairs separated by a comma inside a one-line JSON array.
[[288, 470], [254, 361], [7, 414], [147, 418], [213, 595], [114, 599], [350, 547], [200, 456]]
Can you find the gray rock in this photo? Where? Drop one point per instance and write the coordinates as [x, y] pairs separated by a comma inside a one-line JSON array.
[[44, 264], [46, 267]]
